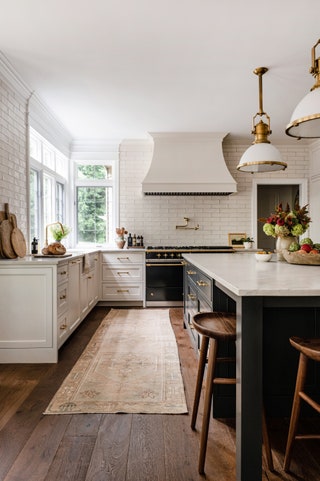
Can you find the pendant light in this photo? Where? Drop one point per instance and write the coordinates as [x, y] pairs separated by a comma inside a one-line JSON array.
[[305, 120], [261, 156]]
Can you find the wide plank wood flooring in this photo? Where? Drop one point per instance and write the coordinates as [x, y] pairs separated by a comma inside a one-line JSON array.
[[120, 447]]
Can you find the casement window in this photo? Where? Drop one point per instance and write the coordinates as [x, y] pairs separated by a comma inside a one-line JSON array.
[[95, 201], [88, 204], [48, 176]]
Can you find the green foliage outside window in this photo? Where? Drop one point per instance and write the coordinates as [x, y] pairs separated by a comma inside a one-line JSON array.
[[93, 205]]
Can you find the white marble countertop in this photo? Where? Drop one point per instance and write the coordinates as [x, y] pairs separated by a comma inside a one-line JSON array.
[[53, 260], [245, 276]]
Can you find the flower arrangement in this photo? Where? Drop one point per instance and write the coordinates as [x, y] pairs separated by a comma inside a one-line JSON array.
[[121, 231], [59, 231], [286, 222]]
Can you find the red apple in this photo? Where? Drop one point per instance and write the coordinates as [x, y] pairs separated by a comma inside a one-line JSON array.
[[306, 247]]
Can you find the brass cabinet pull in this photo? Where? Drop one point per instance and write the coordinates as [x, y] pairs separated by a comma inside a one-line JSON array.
[[191, 273], [202, 283], [63, 297], [122, 290], [123, 258], [63, 327], [120, 273], [192, 296], [63, 273]]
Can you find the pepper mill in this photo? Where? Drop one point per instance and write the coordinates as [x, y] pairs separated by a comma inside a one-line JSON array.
[[34, 244]]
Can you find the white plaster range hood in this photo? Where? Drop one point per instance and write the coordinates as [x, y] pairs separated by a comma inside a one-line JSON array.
[[188, 164]]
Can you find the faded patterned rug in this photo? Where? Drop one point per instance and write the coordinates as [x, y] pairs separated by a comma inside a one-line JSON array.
[[131, 365]]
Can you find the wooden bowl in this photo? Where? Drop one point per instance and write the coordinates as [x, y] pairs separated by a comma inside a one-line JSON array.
[[302, 259]]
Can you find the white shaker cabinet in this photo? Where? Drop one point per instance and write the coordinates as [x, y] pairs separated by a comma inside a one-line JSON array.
[[123, 277], [89, 283], [74, 314], [62, 303], [28, 313], [40, 305]]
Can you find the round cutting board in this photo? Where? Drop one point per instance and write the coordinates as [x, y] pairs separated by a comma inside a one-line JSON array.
[[18, 241], [5, 232]]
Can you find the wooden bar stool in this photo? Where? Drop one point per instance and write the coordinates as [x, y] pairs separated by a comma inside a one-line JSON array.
[[309, 349], [215, 327]]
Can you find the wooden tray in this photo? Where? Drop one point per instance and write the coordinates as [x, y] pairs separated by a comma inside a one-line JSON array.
[[301, 259], [52, 256]]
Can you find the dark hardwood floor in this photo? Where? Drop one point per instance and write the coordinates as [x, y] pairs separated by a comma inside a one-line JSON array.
[[120, 447]]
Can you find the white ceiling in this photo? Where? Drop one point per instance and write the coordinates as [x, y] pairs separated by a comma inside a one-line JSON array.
[[122, 68]]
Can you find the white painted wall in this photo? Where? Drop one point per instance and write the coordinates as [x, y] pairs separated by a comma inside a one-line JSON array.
[[315, 191]]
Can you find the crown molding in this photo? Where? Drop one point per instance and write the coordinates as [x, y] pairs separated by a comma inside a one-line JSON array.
[[46, 124], [12, 78]]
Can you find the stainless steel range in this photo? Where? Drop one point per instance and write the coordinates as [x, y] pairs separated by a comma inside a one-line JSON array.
[[164, 272]]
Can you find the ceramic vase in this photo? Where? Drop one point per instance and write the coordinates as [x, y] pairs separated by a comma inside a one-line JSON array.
[[120, 243], [283, 243]]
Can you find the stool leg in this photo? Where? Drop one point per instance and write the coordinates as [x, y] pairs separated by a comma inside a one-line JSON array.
[[301, 377], [266, 441], [207, 404], [201, 368]]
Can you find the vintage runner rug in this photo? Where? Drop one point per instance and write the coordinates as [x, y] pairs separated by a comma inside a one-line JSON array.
[[131, 365]]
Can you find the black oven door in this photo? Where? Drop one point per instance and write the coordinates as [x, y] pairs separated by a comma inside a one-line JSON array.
[[164, 283]]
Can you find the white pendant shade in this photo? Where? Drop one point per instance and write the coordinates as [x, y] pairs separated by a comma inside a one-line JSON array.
[[261, 157], [305, 120]]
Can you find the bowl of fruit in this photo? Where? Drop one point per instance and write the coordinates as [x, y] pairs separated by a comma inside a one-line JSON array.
[[263, 256], [305, 252]]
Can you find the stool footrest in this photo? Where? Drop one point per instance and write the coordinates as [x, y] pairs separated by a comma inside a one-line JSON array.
[[224, 380], [310, 401], [226, 359]]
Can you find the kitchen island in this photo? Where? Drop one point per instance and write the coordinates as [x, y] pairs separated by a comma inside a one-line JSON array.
[[261, 293]]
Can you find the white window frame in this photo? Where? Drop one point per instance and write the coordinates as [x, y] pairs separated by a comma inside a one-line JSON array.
[[113, 182], [42, 171]]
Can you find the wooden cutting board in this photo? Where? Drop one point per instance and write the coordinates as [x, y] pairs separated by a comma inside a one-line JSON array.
[[3, 216], [18, 241], [6, 228]]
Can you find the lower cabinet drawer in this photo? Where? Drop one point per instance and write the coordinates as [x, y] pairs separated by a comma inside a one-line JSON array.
[[126, 292], [121, 273], [62, 327], [62, 298], [205, 286]]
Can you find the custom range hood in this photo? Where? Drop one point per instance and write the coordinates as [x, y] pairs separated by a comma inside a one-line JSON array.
[[188, 164]]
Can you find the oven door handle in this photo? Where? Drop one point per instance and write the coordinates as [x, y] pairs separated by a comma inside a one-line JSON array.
[[180, 264]]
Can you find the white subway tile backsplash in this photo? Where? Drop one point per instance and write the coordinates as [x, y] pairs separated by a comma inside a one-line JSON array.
[[13, 165], [156, 217]]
